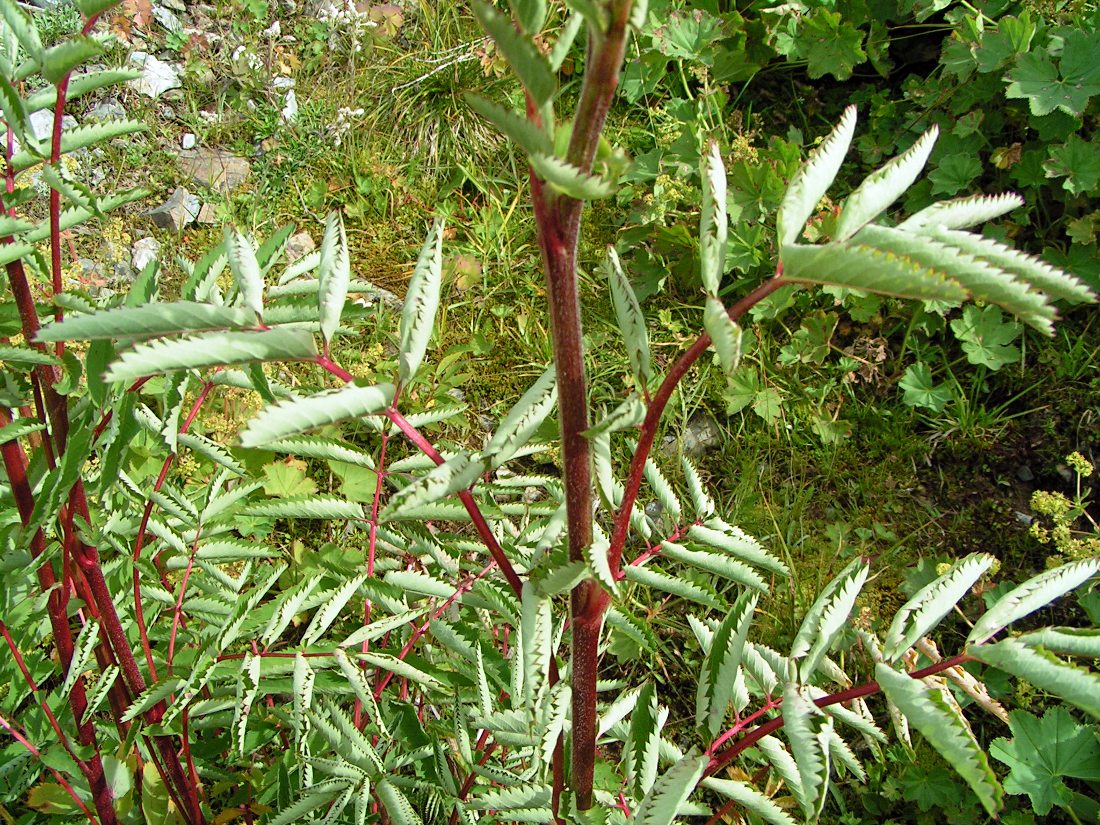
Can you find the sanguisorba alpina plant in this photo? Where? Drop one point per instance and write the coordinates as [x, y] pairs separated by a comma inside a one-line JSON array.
[[407, 668]]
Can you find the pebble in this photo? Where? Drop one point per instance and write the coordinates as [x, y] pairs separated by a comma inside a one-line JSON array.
[[299, 245], [188, 140], [144, 251], [157, 76], [214, 169], [177, 212]]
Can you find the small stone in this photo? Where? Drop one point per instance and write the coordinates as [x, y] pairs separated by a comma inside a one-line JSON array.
[[157, 77], [144, 252], [174, 5], [701, 434], [1023, 472], [273, 32], [108, 110], [654, 510], [215, 169], [290, 109], [167, 19], [282, 82], [299, 245], [369, 294], [208, 214], [177, 212], [42, 123], [188, 140], [1023, 518]]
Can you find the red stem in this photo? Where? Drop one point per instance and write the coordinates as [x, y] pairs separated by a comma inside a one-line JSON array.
[[656, 410], [867, 689]]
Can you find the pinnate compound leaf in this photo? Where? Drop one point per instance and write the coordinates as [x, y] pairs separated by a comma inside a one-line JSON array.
[[517, 128], [520, 51], [1045, 671], [57, 61], [801, 722], [22, 26], [631, 320], [80, 84], [927, 711], [80, 138], [670, 584], [536, 626], [725, 334], [1033, 594], [814, 178], [569, 180], [525, 417], [884, 186], [452, 476], [147, 320], [212, 349], [320, 507], [421, 304], [723, 660], [961, 213], [630, 413], [1042, 276], [716, 563], [668, 793], [1042, 753], [328, 612], [311, 799], [918, 616], [333, 274], [299, 415], [643, 743], [713, 220], [857, 265], [716, 533], [827, 616], [399, 667], [749, 798]]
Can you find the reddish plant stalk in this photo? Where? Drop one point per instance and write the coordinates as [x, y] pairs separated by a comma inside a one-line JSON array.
[[859, 691], [61, 780], [656, 409]]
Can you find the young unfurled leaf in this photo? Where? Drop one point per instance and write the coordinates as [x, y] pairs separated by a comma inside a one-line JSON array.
[[1030, 596], [147, 320], [521, 53], [668, 793], [928, 712], [569, 180], [333, 275], [523, 419], [246, 270], [719, 672], [961, 213], [525, 134], [631, 321], [536, 628], [884, 186], [931, 603], [212, 349], [299, 415], [713, 221], [452, 476], [640, 757], [724, 334], [814, 178], [630, 413], [421, 304]]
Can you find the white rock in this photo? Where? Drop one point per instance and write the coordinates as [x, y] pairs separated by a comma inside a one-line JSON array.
[[167, 19], [299, 245], [274, 31], [282, 82], [157, 77], [188, 141], [143, 252], [290, 109]]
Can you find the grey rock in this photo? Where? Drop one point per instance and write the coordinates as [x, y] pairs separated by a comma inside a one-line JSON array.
[[157, 77], [1024, 473], [299, 245], [174, 5], [167, 18], [42, 123], [188, 140], [1023, 518], [371, 295], [108, 110], [282, 82], [177, 212], [215, 169], [290, 108], [701, 434], [208, 214], [143, 252]]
